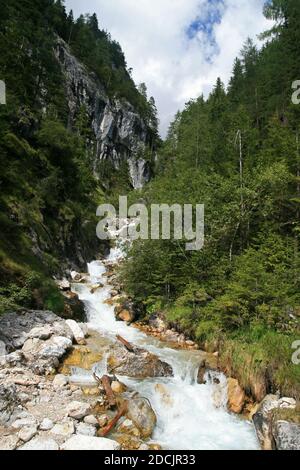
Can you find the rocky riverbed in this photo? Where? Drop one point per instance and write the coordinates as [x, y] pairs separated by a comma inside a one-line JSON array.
[[41, 409], [63, 383]]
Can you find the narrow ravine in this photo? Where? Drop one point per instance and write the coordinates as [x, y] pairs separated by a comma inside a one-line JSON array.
[[188, 418]]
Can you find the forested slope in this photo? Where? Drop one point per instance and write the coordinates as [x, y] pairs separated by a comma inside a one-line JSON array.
[[238, 153], [68, 90]]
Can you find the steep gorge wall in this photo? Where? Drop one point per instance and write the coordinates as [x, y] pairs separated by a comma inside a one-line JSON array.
[[119, 134]]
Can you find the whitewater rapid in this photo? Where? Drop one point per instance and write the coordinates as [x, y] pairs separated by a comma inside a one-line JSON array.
[[187, 416]]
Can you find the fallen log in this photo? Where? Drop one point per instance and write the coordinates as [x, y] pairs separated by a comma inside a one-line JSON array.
[[125, 343], [105, 431], [106, 383]]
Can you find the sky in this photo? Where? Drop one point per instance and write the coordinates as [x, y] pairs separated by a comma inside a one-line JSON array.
[[178, 47]]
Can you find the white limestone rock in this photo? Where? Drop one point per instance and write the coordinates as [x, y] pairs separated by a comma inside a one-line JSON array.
[[40, 443], [46, 425], [65, 428], [86, 429], [27, 433], [77, 332], [78, 410]]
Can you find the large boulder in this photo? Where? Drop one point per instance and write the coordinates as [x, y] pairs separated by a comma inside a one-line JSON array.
[[77, 332], [96, 287], [141, 413], [263, 419], [81, 442], [41, 332], [44, 356], [236, 396], [126, 316], [60, 328], [264, 416], [138, 364], [15, 326], [286, 435], [125, 311], [56, 347]]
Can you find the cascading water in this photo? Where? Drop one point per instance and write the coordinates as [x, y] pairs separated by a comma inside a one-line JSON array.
[[189, 416]]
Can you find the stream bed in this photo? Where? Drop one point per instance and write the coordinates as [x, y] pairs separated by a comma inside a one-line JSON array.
[[187, 415]]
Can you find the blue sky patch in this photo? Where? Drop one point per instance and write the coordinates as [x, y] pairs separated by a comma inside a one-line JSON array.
[[205, 22]]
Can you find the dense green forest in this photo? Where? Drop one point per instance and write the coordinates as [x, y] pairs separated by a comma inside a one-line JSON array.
[[48, 194], [238, 153]]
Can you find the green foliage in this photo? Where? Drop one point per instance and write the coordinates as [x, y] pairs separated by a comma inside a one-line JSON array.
[[262, 287], [49, 195], [33, 290], [52, 298], [238, 154]]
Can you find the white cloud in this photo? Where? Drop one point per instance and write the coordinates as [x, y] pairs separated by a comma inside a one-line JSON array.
[[153, 36]]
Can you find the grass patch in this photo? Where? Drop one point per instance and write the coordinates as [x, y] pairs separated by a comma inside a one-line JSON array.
[[258, 354]]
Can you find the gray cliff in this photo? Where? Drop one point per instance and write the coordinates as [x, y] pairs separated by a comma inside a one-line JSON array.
[[119, 133]]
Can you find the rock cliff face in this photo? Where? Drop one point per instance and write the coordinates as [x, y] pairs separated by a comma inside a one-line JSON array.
[[119, 134]]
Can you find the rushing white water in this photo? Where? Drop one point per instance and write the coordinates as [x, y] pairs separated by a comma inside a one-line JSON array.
[[188, 418]]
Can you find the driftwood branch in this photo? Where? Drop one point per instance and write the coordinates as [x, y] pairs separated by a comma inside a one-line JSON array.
[[105, 381], [108, 390], [105, 431], [125, 343]]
